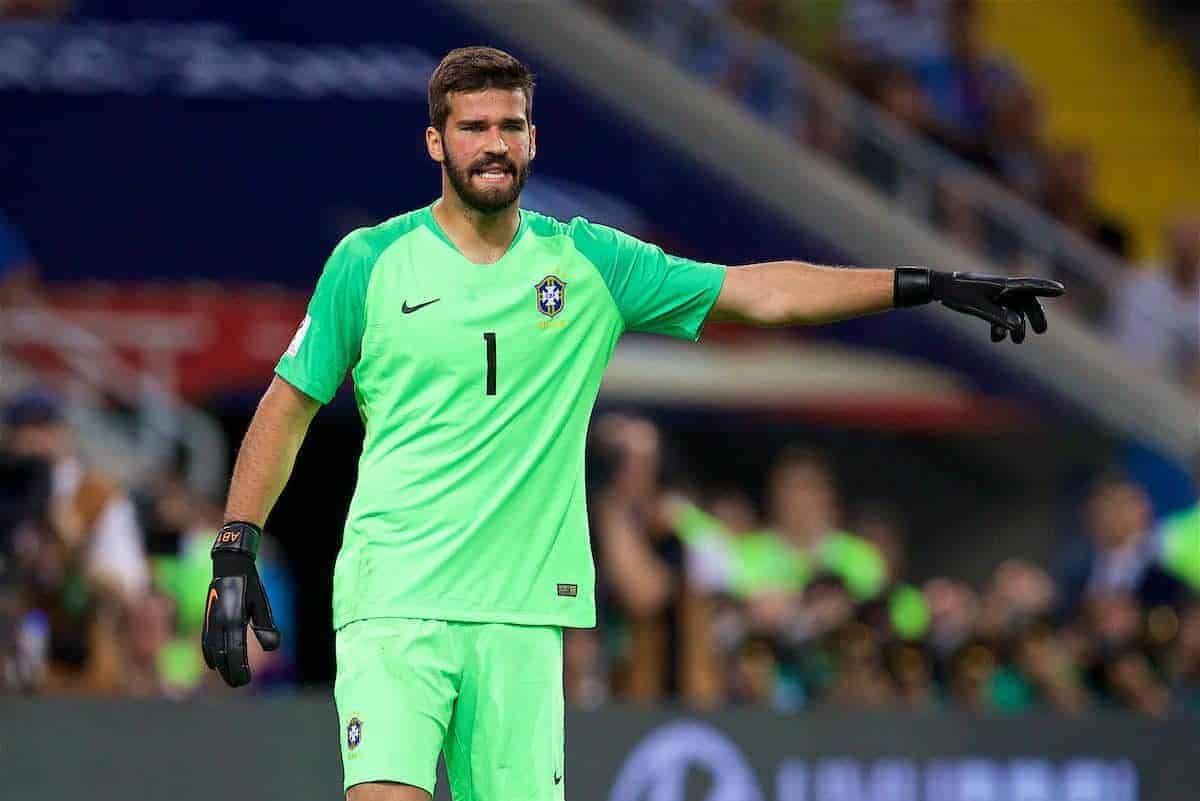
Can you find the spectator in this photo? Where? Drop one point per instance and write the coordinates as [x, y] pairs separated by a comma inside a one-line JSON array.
[[1016, 617], [1068, 194], [958, 216], [764, 16], [753, 674], [1020, 593], [642, 561], [1119, 666], [145, 631], [900, 612], [911, 669], [1015, 140], [92, 513], [1119, 555], [79, 559], [902, 31], [1157, 321], [1183, 666], [960, 81], [802, 540], [1040, 671], [862, 680], [822, 127], [805, 509], [953, 610]]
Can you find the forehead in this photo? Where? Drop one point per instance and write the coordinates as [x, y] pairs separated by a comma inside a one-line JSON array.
[[488, 103]]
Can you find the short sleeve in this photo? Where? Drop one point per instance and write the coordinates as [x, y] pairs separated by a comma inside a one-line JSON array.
[[329, 338], [655, 292]]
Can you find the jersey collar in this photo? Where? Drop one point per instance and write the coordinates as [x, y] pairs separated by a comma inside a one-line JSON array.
[[432, 224]]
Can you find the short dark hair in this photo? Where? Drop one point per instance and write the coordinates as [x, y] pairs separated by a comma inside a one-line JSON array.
[[472, 69]]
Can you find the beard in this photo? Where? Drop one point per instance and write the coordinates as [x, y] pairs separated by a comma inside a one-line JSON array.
[[491, 199]]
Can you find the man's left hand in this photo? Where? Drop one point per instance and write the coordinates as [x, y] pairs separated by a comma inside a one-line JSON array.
[[1006, 303]]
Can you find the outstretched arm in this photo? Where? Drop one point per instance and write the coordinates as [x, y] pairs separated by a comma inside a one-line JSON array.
[[784, 293]]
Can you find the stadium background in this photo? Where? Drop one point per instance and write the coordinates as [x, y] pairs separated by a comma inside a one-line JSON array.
[[1015, 614]]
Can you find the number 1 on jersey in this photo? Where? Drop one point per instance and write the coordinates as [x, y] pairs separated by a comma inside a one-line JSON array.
[[489, 337]]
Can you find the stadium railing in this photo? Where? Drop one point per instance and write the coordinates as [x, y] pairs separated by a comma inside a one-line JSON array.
[[904, 166], [128, 415]]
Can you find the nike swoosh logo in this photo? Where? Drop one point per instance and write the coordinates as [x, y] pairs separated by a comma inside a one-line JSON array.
[[212, 596], [557, 778], [406, 309]]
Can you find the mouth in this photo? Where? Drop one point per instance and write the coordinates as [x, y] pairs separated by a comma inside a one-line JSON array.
[[493, 173]]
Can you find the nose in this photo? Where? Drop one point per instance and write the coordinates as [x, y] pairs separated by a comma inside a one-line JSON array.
[[496, 144]]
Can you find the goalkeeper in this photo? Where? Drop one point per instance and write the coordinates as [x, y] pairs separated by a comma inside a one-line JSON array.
[[476, 333]]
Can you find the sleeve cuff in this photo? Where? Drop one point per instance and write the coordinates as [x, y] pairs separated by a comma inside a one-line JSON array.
[[318, 394]]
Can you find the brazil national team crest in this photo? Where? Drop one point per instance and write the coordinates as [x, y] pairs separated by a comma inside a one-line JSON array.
[[354, 731], [551, 295]]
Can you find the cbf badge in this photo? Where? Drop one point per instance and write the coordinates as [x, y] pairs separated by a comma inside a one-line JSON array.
[[551, 295], [353, 733]]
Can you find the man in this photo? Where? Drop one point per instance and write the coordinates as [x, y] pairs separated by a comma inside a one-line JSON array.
[[1120, 556], [1157, 316], [91, 513], [773, 563], [477, 334]]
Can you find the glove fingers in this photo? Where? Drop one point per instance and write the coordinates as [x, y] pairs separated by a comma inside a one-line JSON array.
[[993, 314], [263, 621], [1018, 332], [999, 332], [227, 629], [1036, 314], [1032, 287], [268, 638], [233, 663]]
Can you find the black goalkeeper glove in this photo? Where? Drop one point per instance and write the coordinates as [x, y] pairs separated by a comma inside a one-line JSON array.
[[1006, 303], [235, 596]]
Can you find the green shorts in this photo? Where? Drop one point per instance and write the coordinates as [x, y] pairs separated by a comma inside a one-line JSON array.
[[490, 695]]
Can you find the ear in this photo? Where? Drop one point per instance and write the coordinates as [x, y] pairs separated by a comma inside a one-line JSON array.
[[433, 144], [532, 141]]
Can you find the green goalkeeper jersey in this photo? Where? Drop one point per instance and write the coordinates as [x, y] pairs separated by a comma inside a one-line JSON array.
[[475, 384]]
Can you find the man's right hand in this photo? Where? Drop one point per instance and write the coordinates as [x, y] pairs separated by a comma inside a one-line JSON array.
[[235, 598]]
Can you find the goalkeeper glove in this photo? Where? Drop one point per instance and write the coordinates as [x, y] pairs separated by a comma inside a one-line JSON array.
[[1006, 303], [235, 596]]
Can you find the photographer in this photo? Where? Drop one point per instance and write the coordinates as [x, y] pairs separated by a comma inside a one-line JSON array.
[[24, 514], [664, 625], [77, 550]]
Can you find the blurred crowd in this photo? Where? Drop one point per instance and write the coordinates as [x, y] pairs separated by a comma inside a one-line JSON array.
[[703, 598], [706, 599], [102, 590], [923, 63]]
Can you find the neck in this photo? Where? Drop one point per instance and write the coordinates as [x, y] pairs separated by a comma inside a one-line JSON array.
[[473, 231], [804, 537]]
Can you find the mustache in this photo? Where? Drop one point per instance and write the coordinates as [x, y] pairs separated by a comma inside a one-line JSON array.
[[503, 164]]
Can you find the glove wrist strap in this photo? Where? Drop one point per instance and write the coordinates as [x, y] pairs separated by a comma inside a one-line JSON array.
[[238, 537], [911, 286]]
